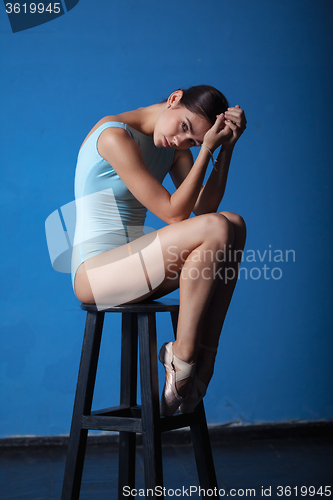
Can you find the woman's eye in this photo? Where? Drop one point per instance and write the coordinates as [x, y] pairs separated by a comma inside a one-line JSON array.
[[185, 129]]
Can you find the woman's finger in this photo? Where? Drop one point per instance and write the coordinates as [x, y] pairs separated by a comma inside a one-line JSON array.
[[219, 121], [232, 125], [239, 121], [236, 107], [225, 133], [235, 112], [234, 119]]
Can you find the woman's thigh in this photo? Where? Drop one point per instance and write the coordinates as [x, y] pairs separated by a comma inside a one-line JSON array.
[[148, 266]]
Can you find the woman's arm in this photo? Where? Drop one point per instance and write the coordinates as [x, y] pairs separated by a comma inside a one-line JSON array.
[[117, 147], [211, 194]]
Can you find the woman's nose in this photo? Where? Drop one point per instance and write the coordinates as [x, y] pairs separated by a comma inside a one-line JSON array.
[[179, 140]]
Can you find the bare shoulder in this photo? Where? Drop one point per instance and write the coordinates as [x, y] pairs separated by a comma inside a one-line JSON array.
[[105, 119], [114, 139]]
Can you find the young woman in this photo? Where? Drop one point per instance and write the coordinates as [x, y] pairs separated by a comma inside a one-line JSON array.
[[120, 169]]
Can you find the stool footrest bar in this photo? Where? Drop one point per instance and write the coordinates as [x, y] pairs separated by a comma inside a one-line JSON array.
[[133, 413], [119, 411], [99, 423], [178, 421]]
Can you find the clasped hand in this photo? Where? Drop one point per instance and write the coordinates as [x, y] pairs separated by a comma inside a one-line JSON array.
[[227, 129]]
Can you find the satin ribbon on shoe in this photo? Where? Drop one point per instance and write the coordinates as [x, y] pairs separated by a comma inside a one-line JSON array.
[[170, 400]]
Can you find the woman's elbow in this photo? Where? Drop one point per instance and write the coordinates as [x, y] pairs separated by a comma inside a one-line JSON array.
[[176, 218]]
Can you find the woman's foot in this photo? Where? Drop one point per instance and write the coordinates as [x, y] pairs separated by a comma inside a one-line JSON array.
[[178, 375], [201, 379]]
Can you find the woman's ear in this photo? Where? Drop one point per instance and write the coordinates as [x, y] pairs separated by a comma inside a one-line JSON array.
[[175, 97]]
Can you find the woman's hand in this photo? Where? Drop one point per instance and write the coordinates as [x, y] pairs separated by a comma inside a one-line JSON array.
[[235, 121], [226, 130]]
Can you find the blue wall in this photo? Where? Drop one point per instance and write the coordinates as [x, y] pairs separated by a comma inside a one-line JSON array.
[[58, 79]]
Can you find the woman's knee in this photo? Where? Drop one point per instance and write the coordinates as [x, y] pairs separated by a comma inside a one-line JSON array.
[[239, 227], [218, 229]]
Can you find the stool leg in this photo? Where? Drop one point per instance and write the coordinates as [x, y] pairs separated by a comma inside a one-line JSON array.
[[201, 441], [203, 452], [151, 433], [128, 386], [82, 405]]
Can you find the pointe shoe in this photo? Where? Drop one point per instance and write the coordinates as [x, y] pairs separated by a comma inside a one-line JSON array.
[[171, 400], [197, 389]]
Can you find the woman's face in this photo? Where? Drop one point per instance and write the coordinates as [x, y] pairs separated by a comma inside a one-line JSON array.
[[179, 128]]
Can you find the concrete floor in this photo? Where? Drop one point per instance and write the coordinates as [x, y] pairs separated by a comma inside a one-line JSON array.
[[36, 472]]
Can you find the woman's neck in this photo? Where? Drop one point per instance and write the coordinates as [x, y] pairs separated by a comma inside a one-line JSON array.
[[142, 119]]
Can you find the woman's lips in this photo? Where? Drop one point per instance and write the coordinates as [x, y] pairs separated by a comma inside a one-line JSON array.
[[166, 142]]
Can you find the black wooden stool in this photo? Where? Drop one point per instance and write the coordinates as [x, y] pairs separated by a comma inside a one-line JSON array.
[[138, 322]]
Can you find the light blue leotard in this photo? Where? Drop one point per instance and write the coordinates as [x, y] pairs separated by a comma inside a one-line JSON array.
[[107, 213]]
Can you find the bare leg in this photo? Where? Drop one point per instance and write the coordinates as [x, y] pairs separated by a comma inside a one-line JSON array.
[[197, 288], [218, 306], [206, 326], [184, 246]]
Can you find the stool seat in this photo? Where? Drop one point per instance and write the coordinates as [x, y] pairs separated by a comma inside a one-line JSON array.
[[128, 418], [165, 305]]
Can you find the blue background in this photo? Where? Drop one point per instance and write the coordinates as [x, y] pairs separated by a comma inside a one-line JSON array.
[[274, 58]]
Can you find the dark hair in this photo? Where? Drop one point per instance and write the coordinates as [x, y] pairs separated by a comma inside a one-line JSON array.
[[204, 100]]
